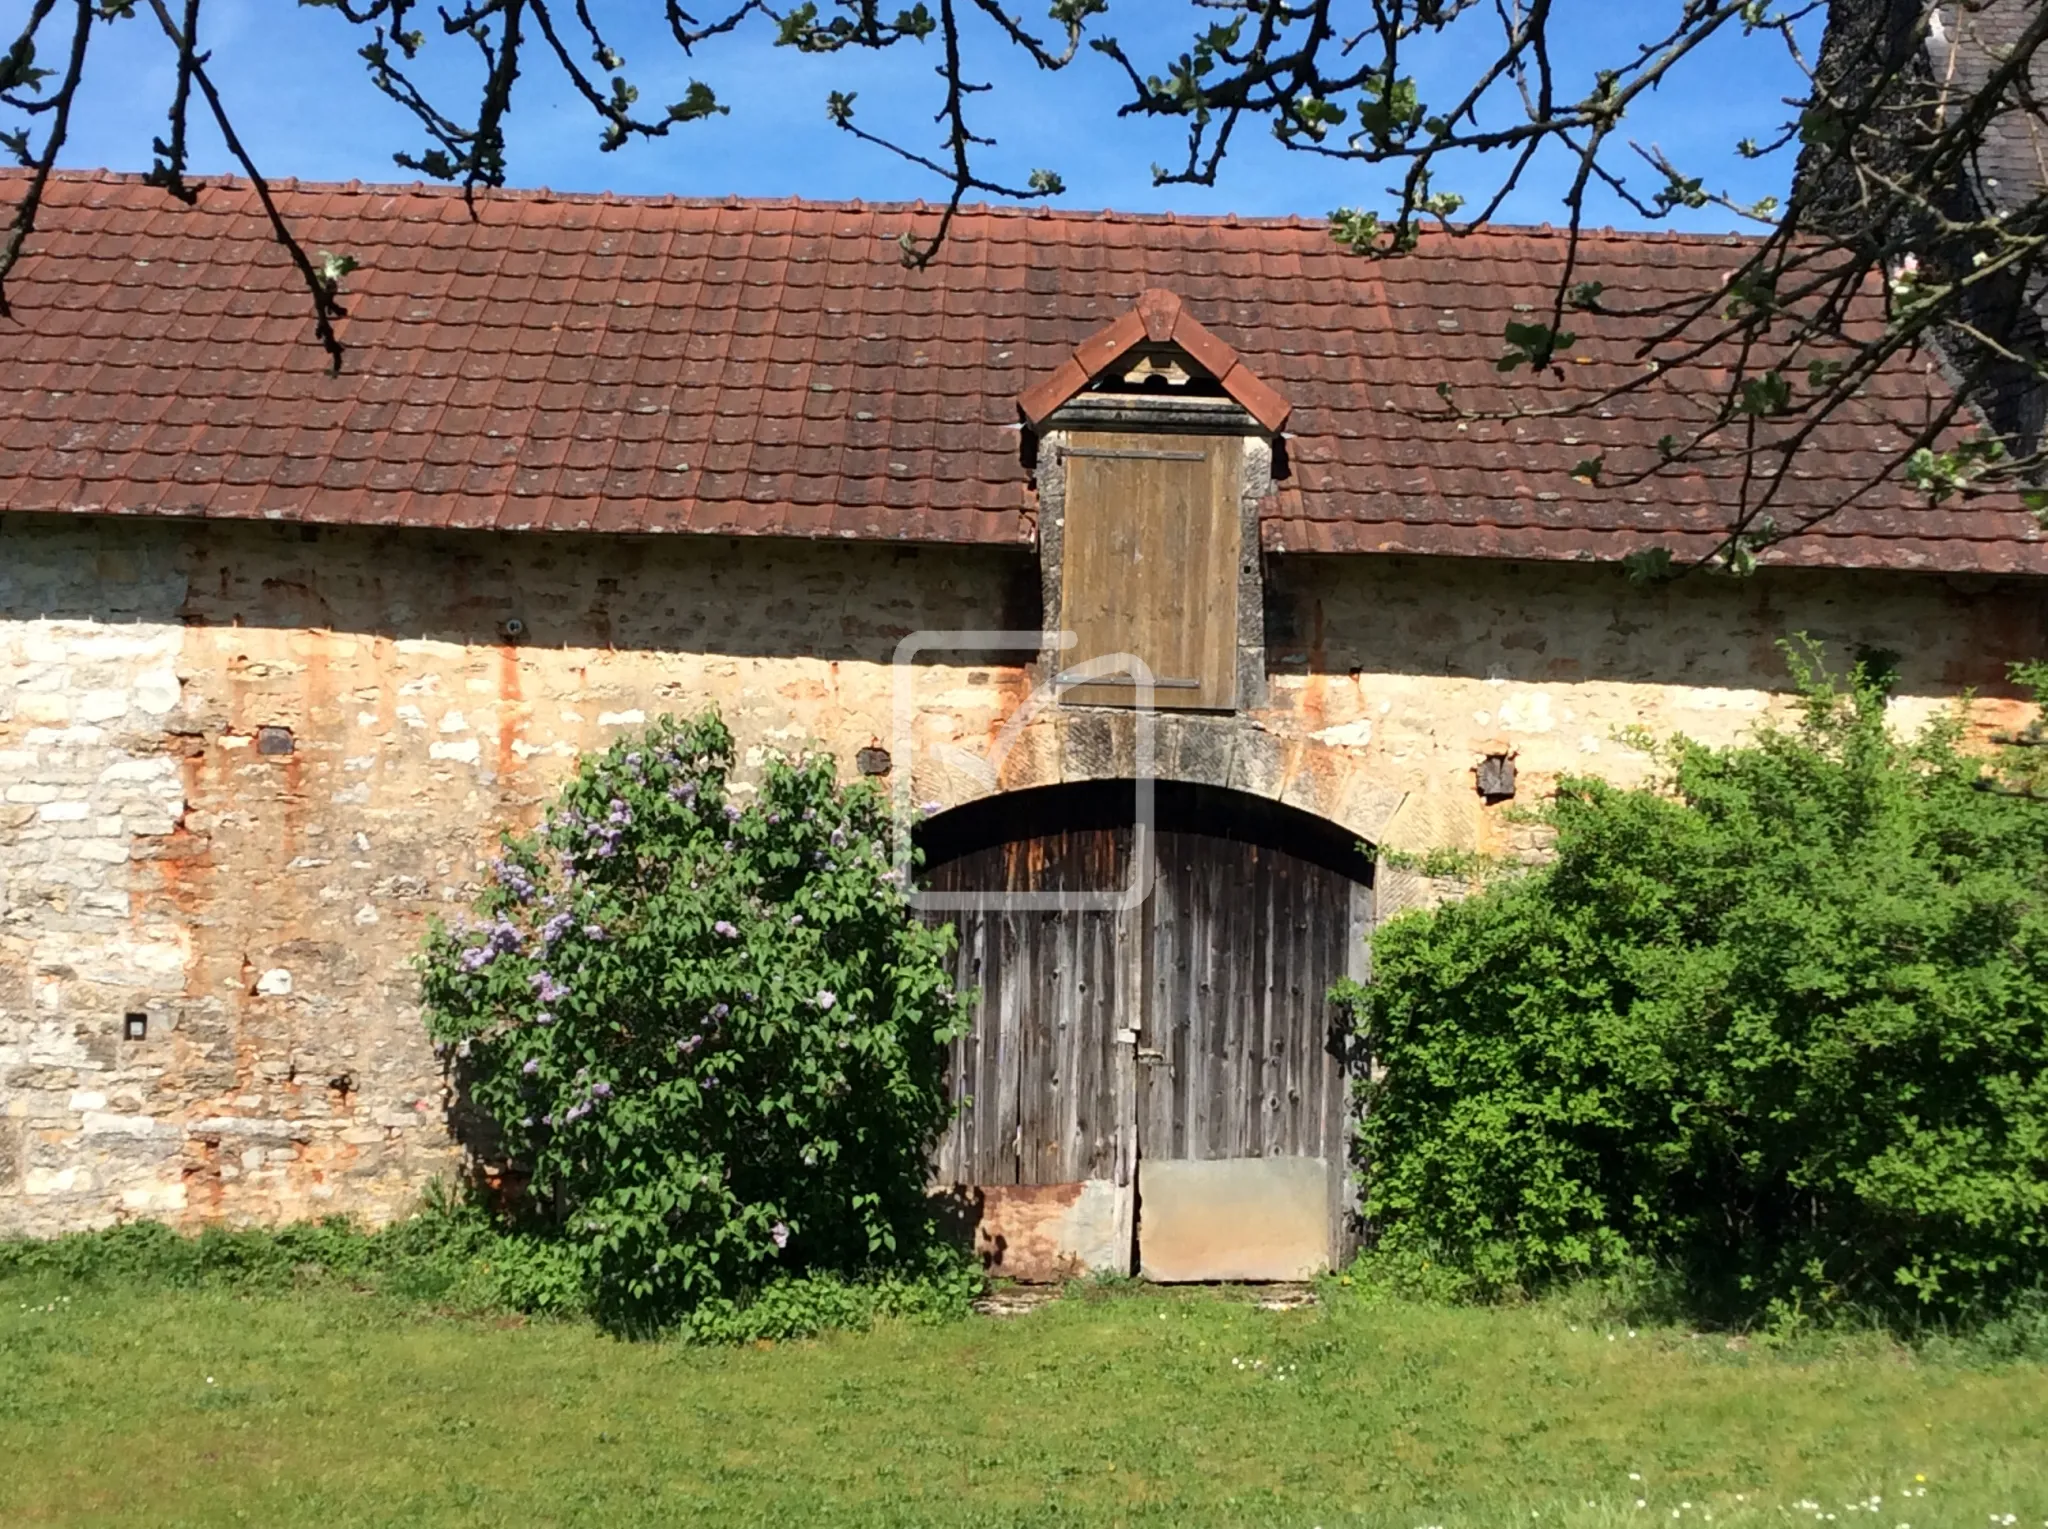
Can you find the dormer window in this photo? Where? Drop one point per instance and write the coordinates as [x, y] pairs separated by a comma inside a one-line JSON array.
[[1145, 439]]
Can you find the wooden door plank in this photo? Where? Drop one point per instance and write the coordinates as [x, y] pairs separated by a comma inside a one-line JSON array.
[[1258, 939], [1150, 546]]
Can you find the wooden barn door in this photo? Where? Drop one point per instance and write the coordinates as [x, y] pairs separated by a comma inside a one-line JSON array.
[[1243, 1105], [1044, 1079], [1163, 1088]]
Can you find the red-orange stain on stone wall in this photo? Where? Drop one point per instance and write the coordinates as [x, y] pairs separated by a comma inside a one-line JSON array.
[[510, 708]]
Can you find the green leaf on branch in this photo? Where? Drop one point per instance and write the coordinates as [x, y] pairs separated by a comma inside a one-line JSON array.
[[17, 67], [1071, 13], [1767, 396], [1357, 230], [331, 268], [697, 103], [1533, 345], [1942, 474], [1680, 191], [1390, 111], [1648, 565]]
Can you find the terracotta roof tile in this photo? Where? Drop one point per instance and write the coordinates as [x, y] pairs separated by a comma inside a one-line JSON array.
[[663, 365]]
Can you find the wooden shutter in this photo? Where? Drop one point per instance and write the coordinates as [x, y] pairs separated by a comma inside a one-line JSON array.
[[1148, 563]]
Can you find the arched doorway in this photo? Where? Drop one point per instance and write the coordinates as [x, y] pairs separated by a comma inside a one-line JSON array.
[[1159, 1086]]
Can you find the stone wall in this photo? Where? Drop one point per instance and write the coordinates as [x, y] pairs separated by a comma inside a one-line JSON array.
[[242, 765]]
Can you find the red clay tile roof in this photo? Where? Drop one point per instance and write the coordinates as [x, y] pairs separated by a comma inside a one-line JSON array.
[[772, 368]]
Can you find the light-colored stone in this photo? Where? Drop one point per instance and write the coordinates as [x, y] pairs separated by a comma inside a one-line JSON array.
[[1388, 680]]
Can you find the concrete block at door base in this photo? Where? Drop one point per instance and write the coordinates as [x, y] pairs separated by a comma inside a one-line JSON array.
[[1039, 1233], [1255, 1218]]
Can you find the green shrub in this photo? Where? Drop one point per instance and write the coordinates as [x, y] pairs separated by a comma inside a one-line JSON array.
[[1776, 1028], [456, 1257], [708, 1031], [449, 1253]]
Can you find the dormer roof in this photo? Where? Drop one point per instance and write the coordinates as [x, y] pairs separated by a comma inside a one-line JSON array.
[[1158, 317]]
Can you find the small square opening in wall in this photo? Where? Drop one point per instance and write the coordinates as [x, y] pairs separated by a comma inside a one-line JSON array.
[[135, 1027], [274, 740], [1497, 778]]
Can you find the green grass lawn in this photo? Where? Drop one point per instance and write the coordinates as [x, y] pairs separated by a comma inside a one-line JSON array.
[[1144, 1408]]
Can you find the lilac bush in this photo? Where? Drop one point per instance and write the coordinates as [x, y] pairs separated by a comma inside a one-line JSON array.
[[707, 1025]]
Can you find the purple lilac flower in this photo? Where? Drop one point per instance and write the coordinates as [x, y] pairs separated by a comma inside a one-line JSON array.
[[779, 1235], [928, 808], [684, 792], [633, 760], [593, 931], [826, 998], [729, 846], [546, 988], [891, 876], [543, 1018], [503, 939], [689, 1043], [556, 927], [547, 1120], [512, 876], [810, 813], [795, 919], [726, 928], [532, 1066], [601, 1089], [839, 838], [732, 812], [774, 818]]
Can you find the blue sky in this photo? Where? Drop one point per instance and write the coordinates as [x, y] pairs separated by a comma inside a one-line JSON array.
[[303, 103]]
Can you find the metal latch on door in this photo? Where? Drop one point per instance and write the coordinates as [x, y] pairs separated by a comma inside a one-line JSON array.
[[1129, 1037]]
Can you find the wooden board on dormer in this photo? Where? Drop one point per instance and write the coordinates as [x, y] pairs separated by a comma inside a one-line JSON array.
[[1149, 564]]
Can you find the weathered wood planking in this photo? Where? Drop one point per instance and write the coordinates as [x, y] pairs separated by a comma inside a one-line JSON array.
[[1222, 976], [1236, 1059], [1035, 1077], [1149, 562]]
